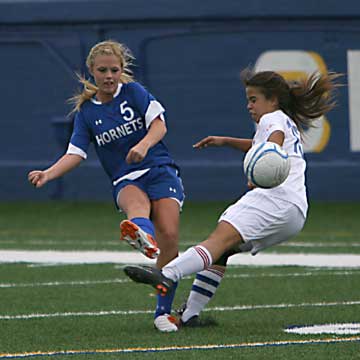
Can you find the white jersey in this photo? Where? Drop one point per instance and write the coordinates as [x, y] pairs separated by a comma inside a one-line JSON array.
[[293, 188]]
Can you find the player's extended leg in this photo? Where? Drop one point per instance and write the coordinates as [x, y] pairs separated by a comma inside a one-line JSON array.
[[138, 230], [224, 238], [165, 215], [193, 260]]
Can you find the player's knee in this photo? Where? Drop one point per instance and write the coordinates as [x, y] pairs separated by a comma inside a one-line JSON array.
[[167, 240], [167, 235]]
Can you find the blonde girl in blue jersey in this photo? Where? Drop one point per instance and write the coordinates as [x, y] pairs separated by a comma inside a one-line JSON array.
[[126, 124], [262, 217]]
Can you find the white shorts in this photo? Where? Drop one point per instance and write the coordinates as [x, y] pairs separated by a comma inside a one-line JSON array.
[[263, 221]]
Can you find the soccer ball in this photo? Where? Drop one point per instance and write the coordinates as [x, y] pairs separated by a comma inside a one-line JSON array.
[[266, 165]]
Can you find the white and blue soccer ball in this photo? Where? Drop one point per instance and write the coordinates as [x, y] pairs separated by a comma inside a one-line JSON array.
[[266, 165]]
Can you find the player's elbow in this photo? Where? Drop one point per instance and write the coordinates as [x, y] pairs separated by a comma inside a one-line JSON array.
[[165, 129]]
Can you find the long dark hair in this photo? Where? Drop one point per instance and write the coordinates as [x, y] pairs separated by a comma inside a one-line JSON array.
[[303, 101]]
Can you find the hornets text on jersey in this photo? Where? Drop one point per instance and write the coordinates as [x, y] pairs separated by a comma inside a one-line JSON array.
[[115, 127]]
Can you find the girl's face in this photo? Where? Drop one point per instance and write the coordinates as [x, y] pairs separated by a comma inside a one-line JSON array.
[[258, 105], [106, 72]]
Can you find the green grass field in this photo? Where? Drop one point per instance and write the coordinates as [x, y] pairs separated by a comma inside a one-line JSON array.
[[95, 312]]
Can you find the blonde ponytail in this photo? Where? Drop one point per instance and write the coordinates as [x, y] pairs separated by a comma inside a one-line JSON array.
[[88, 92]]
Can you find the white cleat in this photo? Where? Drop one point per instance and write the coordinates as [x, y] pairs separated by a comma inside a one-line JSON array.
[[138, 239], [166, 323]]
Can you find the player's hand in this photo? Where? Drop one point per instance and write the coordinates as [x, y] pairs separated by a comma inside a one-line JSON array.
[[38, 178], [136, 153], [210, 141]]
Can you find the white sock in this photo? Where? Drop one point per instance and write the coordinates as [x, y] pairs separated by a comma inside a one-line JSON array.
[[193, 260], [203, 289]]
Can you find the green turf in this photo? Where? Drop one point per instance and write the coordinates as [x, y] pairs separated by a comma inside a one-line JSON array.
[[335, 227], [94, 307], [83, 330]]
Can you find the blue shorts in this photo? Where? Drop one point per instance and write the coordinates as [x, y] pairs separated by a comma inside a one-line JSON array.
[[158, 183]]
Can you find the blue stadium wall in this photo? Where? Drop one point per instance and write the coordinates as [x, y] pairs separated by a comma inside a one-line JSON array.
[[189, 55]]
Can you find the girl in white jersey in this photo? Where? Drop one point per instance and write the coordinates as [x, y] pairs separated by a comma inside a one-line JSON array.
[[262, 217]]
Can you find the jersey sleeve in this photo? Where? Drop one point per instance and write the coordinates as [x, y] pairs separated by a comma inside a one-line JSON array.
[[270, 123], [148, 106], [80, 138]]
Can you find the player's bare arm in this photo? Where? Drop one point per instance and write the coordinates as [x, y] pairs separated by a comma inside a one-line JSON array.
[[65, 164], [277, 137], [237, 143], [156, 132], [210, 141]]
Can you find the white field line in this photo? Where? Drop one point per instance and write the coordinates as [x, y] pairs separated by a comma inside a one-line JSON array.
[[141, 312], [332, 328], [294, 274], [295, 244], [182, 348], [228, 277], [73, 243], [132, 257], [319, 244], [184, 243], [64, 283]]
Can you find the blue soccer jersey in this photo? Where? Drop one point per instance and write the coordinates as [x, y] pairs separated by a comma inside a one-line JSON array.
[[115, 127]]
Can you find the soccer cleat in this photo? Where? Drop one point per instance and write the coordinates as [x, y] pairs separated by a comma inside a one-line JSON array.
[[138, 239], [166, 323], [195, 320], [152, 276]]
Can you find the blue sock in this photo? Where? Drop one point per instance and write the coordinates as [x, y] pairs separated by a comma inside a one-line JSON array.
[[164, 303], [145, 224]]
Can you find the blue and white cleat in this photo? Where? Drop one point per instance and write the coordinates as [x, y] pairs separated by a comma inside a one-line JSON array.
[[166, 323]]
